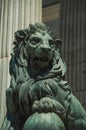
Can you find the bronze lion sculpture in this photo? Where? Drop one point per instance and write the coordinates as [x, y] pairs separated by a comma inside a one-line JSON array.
[[38, 88]]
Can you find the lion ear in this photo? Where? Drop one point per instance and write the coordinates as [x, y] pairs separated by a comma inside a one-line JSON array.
[[20, 35], [58, 42]]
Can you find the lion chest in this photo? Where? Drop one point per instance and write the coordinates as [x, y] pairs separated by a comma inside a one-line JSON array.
[[47, 88]]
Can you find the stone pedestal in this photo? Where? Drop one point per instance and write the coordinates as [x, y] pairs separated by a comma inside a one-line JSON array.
[[14, 15]]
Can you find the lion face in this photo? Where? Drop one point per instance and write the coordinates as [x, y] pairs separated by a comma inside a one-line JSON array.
[[40, 49], [36, 53]]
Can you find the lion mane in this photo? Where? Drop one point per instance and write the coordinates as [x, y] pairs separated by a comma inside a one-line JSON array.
[[20, 61]]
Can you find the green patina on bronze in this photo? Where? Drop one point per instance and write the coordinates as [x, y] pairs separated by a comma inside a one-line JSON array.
[[38, 97]]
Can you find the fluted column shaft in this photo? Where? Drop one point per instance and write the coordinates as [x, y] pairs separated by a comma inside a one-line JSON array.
[[73, 14]]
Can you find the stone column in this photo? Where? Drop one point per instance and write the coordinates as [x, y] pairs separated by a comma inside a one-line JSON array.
[[73, 21], [14, 15]]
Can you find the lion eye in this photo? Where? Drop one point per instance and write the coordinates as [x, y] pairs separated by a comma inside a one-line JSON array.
[[51, 43], [35, 40]]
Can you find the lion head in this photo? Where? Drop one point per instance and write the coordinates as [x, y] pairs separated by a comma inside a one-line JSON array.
[[36, 53]]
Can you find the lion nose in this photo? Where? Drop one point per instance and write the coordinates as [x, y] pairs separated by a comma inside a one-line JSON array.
[[45, 48]]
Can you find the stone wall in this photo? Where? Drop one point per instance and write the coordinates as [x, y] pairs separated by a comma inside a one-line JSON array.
[[51, 16]]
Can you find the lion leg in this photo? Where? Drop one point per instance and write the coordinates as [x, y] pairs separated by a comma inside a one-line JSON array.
[[9, 101], [78, 124], [77, 116]]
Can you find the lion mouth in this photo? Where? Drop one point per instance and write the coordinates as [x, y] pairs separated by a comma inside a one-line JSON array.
[[43, 59], [41, 62]]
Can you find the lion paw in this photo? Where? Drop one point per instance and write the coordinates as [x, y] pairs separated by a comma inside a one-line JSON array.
[[48, 105]]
